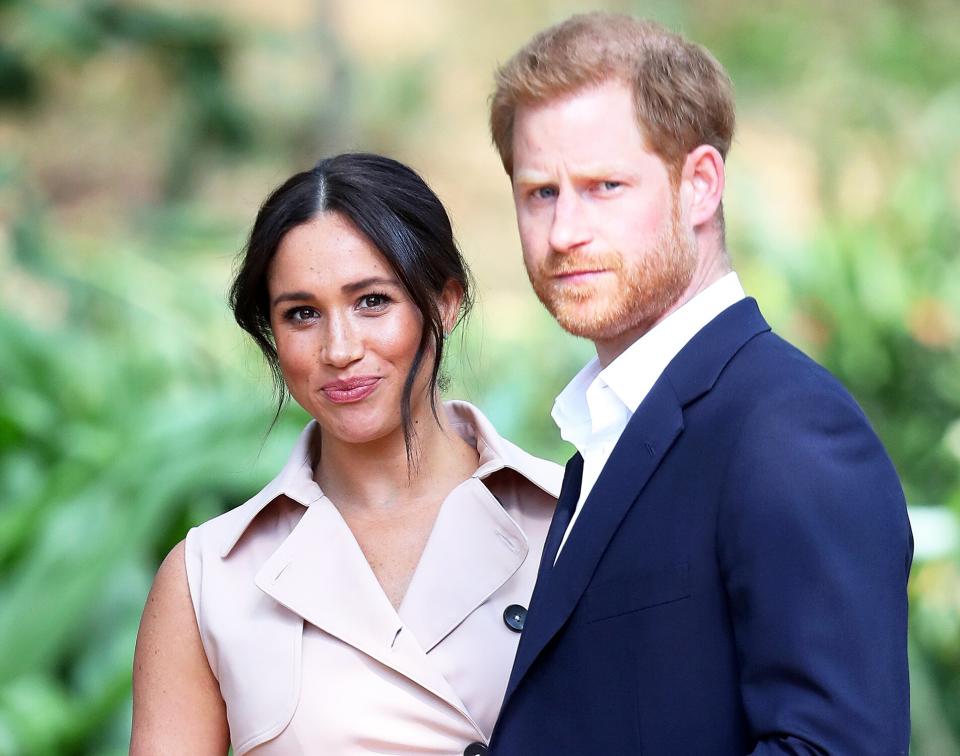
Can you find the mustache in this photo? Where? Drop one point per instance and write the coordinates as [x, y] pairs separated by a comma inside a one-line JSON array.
[[560, 264]]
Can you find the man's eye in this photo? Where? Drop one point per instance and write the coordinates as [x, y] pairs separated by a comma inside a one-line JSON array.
[[544, 192], [610, 185]]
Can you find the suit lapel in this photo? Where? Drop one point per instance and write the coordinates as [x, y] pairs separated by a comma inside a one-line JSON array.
[[644, 443], [569, 496]]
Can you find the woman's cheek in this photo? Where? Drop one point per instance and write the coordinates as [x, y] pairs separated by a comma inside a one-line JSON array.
[[297, 357]]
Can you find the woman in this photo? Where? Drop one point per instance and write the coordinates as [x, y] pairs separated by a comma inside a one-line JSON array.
[[369, 599]]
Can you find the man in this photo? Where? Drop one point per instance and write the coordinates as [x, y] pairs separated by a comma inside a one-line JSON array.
[[726, 572]]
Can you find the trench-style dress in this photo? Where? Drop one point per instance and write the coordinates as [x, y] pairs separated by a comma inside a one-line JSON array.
[[311, 656]]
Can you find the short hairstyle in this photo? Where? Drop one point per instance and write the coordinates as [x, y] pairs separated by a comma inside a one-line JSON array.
[[683, 96], [392, 206]]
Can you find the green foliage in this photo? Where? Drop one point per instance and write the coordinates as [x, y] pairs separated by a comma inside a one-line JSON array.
[[191, 51], [108, 453]]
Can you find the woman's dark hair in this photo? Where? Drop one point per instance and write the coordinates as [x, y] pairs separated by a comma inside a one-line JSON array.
[[395, 209]]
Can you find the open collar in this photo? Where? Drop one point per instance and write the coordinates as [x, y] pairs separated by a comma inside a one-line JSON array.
[[319, 572], [645, 443], [295, 479], [598, 402]]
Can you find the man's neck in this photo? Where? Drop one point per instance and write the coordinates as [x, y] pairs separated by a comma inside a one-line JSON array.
[[609, 349]]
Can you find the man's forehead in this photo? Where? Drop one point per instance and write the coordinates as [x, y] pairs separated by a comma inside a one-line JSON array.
[[585, 123], [599, 155]]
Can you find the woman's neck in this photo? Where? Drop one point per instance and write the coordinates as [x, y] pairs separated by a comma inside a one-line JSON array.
[[376, 477]]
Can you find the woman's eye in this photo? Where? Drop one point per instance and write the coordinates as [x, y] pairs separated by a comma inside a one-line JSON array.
[[373, 301], [301, 314]]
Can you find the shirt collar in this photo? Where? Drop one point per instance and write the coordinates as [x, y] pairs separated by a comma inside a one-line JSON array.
[[632, 374], [295, 479], [570, 410]]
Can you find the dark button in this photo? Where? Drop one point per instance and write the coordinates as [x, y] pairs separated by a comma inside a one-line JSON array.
[[475, 749], [514, 616]]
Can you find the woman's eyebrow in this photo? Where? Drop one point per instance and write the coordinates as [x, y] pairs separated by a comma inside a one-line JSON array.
[[364, 283], [350, 288], [291, 296]]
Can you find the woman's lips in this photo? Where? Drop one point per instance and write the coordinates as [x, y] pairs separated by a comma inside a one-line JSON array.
[[350, 390]]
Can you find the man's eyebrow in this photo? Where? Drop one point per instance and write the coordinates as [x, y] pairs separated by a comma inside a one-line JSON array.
[[585, 172], [525, 178]]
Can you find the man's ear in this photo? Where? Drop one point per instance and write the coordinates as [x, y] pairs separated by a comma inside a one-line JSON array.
[[701, 184], [450, 300]]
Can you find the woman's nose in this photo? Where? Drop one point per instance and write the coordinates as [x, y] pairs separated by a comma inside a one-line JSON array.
[[343, 344]]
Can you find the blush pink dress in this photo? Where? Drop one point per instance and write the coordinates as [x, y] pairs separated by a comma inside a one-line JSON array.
[[311, 656]]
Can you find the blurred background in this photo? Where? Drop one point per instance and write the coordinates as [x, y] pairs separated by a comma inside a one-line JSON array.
[[137, 139]]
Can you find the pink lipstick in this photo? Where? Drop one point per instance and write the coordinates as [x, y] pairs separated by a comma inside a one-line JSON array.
[[350, 390]]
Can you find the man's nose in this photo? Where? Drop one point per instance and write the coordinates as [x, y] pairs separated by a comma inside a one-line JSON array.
[[343, 344], [570, 227]]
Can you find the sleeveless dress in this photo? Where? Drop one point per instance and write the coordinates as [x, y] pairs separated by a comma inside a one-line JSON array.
[[310, 655]]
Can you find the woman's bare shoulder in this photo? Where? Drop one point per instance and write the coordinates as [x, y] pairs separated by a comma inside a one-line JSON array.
[[177, 707]]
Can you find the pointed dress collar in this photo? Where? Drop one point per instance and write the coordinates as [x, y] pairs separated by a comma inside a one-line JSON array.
[[319, 572], [295, 479]]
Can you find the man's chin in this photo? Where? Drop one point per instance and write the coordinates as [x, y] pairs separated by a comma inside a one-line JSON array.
[[586, 321]]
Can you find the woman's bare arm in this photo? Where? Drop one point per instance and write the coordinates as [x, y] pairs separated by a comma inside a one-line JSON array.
[[177, 707]]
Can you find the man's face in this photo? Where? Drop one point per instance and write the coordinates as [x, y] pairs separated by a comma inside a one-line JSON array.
[[600, 220]]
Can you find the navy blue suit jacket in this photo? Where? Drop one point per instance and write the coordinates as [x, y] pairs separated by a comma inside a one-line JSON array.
[[736, 581]]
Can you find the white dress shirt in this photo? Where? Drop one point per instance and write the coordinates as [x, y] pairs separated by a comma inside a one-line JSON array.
[[595, 407]]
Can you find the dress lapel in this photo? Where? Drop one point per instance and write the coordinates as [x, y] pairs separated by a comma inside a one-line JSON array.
[[320, 573], [475, 547]]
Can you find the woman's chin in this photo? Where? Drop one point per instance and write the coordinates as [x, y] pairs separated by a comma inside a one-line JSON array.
[[357, 432]]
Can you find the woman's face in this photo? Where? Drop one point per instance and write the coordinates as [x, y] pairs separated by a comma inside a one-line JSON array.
[[346, 332]]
